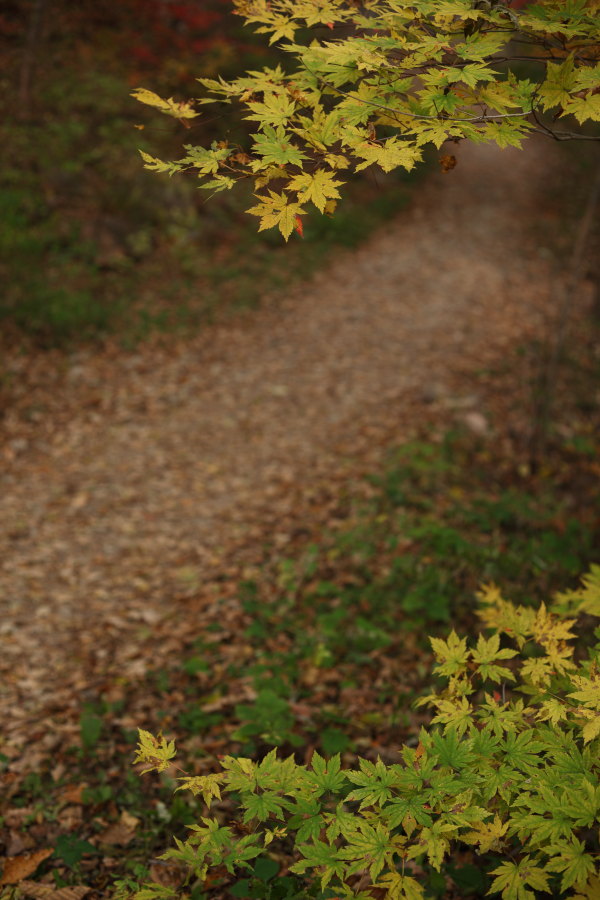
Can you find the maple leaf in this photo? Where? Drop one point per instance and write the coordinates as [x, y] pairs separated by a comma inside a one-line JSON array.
[[512, 878], [434, 841], [317, 187], [591, 729], [487, 835], [553, 711], [154, 753], [588, 690], [277, 211], [158, 165], [560, 78], [585, 599], [169, 107], [590, 890], [275, 109], [538, 670], [370, 847], [503, 616], [549, 630], [326, 858], [400, 887], [390, 154], [583, 108], [207, 785], [454, 713], [572, 860], [485, 655], [452, 655], [273, 146], [376, 782], [326, 775]]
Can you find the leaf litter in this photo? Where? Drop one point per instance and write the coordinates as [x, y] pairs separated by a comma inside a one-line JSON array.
[[141, 489]]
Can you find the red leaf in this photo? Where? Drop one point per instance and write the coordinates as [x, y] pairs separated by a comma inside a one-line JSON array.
[[299, 229]]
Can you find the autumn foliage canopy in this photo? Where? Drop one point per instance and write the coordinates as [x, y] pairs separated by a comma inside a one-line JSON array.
[[376, 82]]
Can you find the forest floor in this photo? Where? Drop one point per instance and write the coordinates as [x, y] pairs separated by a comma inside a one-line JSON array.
[[138, 489]]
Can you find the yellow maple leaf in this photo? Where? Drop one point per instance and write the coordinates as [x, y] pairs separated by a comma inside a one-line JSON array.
[[548, 627], [487, 835], [169, 107], [277, 211]]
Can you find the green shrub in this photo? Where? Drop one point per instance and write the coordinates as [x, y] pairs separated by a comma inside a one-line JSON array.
[[500, 795]]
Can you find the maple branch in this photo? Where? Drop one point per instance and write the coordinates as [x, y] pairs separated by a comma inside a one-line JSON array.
[[441, 117]]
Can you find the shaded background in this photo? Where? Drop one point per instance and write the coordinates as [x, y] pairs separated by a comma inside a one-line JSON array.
[[90, 241]]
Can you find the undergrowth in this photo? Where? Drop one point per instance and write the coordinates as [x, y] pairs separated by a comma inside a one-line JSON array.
[[329, 649], [501, 794]]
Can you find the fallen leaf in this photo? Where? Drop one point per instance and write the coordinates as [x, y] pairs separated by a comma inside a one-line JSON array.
[[447, 162], [17, 868], [18, 843], [72, 793], [130, 821], [47, 892], [122, 832], [117, 834], [167, 875]]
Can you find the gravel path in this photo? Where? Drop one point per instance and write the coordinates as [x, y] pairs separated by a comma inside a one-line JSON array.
[[129, 478]]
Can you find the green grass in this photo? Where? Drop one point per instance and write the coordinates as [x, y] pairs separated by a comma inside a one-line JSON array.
[[443, 519]]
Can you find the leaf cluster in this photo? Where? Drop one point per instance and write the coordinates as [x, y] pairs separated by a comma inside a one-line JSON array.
[[508, 768], [377, 81]]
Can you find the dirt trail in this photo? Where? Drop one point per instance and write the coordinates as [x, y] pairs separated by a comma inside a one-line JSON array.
[[137, 473]]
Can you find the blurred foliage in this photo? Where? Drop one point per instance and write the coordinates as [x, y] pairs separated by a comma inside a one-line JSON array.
[[89, 240]]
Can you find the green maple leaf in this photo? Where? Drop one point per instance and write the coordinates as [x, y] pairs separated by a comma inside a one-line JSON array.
[[451, 750], [341, 822], [273, 146], [306, 818], [398, 809], [262, 806], [368, 847], [244, 850], [326, 775], [241, 773], [485, 655], [324, 857], [572, 860], [523, 752], [276, 109], [376, 782], [205, 161], [487, 835], [153, 164]]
